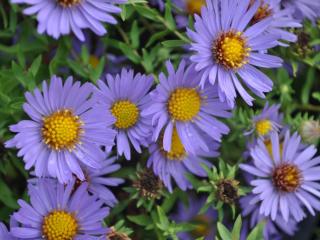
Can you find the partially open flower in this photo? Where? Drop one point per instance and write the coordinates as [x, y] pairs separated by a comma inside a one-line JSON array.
[[148, 184], [310, 131], [114, 235], [227, 190]]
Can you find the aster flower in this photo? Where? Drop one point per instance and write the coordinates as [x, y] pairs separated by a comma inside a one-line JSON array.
[[270, 119], [227, 47], [190, 214], [4, 233], [286, 179], [57, 211], [64, 132], [97, 181], [176, 162], [96, 51], [303, 8], [60, 17], [281, 19], [272, 229], [178, 103], [159, 3], [125, 97], [188, 7]]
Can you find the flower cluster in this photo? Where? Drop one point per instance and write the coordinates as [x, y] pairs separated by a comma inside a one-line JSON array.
[[76, 133]]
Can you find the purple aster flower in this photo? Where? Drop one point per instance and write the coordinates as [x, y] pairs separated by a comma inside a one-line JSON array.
[[160, 3], [97, 181], [5, 234], [96, 51], [60, 17], [190, 214], [304, 8], [176, 162], [59, 211], [227, 47], [189, 7], [125, 97], [270, 119], [272, 229], [65, 130], [178, 103], [281, 18], [286, 177]]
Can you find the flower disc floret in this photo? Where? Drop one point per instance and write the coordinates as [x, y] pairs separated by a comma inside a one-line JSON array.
[[126, 114], [195, 6], [62, 130], [286, 177], [177, 151], [262, 13], [230, 50], [59, 225], [68, 3], [184, 104], [263, 127]]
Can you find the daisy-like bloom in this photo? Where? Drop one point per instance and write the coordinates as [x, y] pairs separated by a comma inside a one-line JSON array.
[[190, 214], [286, 180], [176, 162], [281, 19], [98, 183], [180, 107], [60, 17], [4, 233], [270, 119], [227, 48], [125, 97], [57, 211], [303, 8], [272, 229], [189, 7], [65, 130]]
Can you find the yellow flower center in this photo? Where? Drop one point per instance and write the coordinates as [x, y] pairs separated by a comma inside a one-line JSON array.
[[94, 61], [184, 104], [177, 151], [230, 50], [268, 145], [68, 3], [286, 177], [59, 225], [263, 127], [62, 130], [202, 226], [263, 11], [126, 114], [194, 6]]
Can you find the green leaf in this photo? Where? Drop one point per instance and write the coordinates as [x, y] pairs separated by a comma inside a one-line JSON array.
[[169, 17], [173, 43], [224, 232], [35, 66], [141, 220], [235, 234], [134, 34], [305, 94], [257, 232]]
